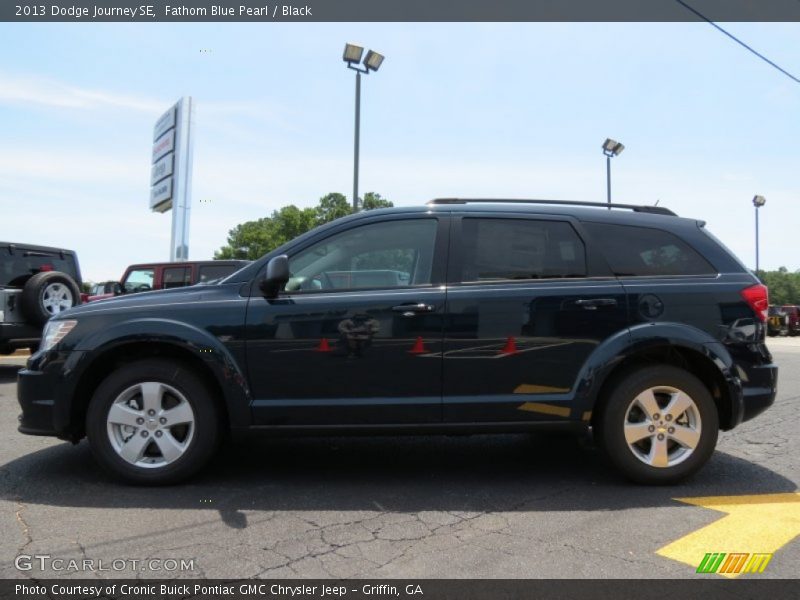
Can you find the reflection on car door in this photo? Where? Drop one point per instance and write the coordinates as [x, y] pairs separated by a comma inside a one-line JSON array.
[[522, 318], [356, 337]]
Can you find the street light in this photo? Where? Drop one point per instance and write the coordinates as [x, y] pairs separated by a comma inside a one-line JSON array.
[[758, 202], [610, 148], [372, 62]]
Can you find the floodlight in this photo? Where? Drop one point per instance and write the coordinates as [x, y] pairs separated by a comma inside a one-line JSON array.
[[373, 60], [612, 147], [352, 54]]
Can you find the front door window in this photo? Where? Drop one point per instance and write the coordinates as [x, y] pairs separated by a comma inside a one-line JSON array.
[[395, 254]]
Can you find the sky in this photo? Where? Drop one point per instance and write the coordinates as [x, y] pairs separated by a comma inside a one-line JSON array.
[[516, 110]]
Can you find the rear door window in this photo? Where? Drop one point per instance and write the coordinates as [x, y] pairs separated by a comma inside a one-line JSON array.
[[210, 273], [645, 251], [176, 277], [501, 249]]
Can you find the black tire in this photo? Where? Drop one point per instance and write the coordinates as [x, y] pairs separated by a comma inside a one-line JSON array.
[[609, 427], [36, 295], [200, 446]]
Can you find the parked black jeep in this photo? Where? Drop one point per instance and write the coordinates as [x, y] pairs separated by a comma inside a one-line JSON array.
[[36, 282], [458, 316]]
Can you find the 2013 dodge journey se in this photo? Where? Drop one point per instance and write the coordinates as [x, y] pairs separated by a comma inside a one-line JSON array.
[[458, 316]]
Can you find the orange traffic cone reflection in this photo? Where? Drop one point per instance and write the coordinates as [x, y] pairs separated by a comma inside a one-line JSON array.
[[510, 347], [419, 347]]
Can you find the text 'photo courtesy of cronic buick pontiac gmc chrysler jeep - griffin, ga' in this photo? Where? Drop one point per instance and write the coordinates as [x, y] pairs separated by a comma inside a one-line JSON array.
[[460, 316]]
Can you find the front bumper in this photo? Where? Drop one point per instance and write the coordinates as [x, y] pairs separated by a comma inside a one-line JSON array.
[[42, 388], [36, 396]]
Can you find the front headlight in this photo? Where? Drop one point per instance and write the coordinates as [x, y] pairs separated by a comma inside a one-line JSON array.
[[54, 332]]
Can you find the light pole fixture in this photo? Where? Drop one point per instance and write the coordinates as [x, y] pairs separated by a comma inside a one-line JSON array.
[[372, 62], [610, 148], [758, 202]]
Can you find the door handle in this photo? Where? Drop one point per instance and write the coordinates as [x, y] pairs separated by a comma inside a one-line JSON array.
[[593, 303], [411, 309]]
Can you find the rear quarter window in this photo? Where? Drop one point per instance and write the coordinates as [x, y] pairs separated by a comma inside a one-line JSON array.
[[646, 251]]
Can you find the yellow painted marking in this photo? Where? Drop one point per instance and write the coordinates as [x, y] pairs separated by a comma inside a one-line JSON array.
[[526, 388], [587, 416], [761, 523], [758, 562], [545, 409]]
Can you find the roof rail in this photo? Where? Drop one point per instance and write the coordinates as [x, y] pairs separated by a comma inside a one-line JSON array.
[[656, 210]]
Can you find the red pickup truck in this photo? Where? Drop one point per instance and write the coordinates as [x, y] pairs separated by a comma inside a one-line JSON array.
[[161, 276]]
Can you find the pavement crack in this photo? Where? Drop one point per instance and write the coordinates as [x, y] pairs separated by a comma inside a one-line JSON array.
[[26, 529]]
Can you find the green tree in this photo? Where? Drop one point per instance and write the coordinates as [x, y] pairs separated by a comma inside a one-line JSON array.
[[373, 200], [331, 207], [784, 287], [248, 240], [253, 239]]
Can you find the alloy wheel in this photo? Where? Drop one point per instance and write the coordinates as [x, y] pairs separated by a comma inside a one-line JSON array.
[[150, 424], [662, 426], [57, 297]]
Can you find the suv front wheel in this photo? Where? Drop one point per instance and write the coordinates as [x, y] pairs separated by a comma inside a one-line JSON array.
[[658, 425], [152, 422]]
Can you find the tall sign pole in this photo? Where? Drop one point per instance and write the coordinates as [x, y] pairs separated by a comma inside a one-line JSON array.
[[357, 140], [171, 173]]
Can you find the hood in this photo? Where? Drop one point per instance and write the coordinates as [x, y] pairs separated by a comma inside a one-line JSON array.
[[181, 295]]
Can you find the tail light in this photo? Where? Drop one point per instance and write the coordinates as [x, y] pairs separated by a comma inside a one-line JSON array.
[[46, 268], [757, 296]]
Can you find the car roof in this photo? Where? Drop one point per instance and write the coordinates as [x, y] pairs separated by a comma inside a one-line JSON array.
[[184, 263], [596, 212], [35, 248], [583, 211]]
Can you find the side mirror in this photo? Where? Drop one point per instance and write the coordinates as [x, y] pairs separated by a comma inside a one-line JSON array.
[[277, 276], [117, 289]]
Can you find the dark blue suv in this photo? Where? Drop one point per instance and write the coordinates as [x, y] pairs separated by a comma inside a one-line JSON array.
[[458, 316]]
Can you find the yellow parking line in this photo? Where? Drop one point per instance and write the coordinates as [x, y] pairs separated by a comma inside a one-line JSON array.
[[529, 388], [761, 523], [545, 409]]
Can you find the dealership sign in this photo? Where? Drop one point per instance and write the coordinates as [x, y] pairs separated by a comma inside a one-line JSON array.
[[161, 168], [163, 155], [161, 192], [165, 145], [170, 172]]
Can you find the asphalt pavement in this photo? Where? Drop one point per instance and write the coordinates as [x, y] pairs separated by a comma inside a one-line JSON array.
[[515, 506]]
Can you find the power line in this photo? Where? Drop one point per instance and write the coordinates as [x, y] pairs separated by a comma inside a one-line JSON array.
[[738, 41]]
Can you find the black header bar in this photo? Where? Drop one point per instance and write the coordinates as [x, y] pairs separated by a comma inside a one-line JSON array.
[[150, 11]]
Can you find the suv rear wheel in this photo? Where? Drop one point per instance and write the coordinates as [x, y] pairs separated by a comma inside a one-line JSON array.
[[152, 422], [658, 425]]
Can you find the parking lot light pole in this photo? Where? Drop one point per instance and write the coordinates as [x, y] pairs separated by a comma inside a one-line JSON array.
[[372, 62], [610, 148], [758, 202]]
